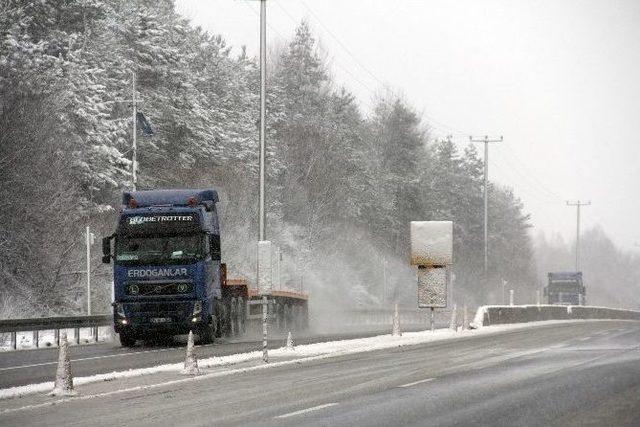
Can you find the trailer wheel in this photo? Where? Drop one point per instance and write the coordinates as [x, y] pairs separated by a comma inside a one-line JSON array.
[[296, 317], [216, 321], [233, 318], [127, 340], [242, 327], [224, 318], [287, 317]]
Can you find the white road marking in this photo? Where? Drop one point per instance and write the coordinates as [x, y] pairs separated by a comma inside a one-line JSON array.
[[304, 411], [417, 382], [584, 339]]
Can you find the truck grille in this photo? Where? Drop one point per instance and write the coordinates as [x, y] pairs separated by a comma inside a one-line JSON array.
[[149, 309], [153, 289]]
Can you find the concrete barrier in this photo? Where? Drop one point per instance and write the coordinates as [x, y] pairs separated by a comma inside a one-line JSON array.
[[504, 314]]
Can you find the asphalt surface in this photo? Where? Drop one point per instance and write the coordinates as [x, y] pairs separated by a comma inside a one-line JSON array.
[[564, 374], [24, 367]]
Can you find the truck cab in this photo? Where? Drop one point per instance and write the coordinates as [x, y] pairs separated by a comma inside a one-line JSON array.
[[565, 288], [167, 264]]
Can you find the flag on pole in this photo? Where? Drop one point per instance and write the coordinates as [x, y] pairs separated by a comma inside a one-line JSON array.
[[144, 124]]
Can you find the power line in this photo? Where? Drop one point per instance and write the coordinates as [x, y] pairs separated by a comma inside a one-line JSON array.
[[346, 70], [449, 129]]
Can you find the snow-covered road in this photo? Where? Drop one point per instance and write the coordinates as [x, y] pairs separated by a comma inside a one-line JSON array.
[[554, 373]]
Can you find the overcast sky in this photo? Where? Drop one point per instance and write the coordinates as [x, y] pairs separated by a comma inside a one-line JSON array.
[[560, 80]]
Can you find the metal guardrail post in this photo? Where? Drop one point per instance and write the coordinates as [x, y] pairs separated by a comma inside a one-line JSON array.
[[95, 334], [76, 334], [14, 340], [36, 338], [56, 335]]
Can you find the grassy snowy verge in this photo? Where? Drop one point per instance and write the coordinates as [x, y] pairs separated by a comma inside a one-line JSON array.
[[298, 355]]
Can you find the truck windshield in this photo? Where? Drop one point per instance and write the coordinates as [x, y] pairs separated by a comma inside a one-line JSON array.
[[159, 249]]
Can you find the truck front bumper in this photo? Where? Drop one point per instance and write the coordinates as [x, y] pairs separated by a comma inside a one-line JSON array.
[[156, 317]]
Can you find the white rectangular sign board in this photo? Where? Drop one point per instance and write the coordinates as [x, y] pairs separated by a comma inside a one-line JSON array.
[[431, 243], [432, 287], [264, 267]]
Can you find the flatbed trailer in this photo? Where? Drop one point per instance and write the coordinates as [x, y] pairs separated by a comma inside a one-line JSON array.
[[288, 309]]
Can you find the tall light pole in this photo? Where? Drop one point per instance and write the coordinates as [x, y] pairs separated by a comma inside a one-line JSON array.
[[486, 141], [262, 213], [578, 204], [134, 156], [263, 106]]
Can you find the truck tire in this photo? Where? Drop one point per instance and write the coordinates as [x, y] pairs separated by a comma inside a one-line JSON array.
[[127, 340], [242, 327], [224, 318], [233, 318], [207, 333]]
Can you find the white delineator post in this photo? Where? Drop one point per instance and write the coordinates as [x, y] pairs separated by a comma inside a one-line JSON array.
[[538, 297], [510, 296], [289, 344], [63, 385], [89, 238], [395, 331], [190, 361]]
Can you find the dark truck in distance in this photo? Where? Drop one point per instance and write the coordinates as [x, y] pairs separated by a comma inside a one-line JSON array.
[[565, 288], [168, 275]]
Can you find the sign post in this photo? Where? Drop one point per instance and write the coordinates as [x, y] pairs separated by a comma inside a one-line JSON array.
[[432, 253]]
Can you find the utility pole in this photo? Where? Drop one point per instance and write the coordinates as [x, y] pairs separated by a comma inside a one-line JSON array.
[[261, 213], [577, 204], [486, 141], [134, 156]]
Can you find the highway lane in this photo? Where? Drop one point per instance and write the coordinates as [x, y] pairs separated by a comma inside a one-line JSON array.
[[19, 368], [568, 374]]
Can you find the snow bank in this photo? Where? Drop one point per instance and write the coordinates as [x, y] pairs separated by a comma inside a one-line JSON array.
[[505, 314]]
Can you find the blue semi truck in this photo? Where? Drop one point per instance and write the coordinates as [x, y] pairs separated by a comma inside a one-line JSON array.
[[565, 288], [169, 278]]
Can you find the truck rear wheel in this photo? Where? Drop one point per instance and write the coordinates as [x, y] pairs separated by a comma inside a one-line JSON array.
[[127, 340], [242, 328]]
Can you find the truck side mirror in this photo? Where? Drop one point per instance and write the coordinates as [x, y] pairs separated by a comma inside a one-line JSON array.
[[106, 249]]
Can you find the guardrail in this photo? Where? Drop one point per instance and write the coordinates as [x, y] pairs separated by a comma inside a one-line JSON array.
[[503, 314], [12, 326]]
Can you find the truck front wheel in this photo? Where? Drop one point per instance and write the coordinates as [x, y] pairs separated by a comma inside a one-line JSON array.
[[208, 332], [127, 340]]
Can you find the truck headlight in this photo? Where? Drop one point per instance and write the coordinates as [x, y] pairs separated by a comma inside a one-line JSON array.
[[197, 308]]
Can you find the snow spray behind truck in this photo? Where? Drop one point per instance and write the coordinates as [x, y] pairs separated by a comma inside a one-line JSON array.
[[168, 272]]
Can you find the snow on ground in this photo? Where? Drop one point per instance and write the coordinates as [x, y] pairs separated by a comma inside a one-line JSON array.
[[300, 354]]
